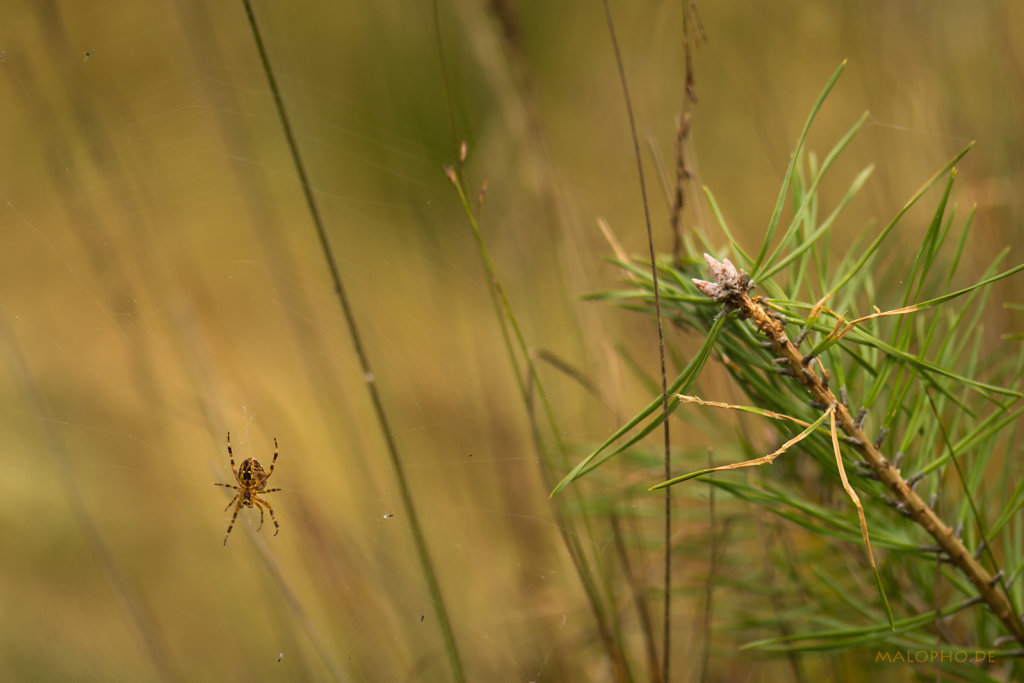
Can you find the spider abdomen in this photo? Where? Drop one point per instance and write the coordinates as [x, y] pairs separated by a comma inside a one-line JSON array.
[[252, 474]]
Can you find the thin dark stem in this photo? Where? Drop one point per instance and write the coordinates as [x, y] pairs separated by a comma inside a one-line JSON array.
[[936, 602], [364, 363], [666, 645], [709, 589], [448, 107], [636, 590]]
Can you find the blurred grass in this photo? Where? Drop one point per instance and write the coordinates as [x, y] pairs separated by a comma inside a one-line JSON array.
[[160, 277]]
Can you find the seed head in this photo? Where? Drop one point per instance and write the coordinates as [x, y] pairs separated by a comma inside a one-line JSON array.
[[729, 282], [709, 289]]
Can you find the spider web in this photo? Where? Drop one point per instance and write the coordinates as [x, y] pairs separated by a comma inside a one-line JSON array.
[[176, 291], [162, 285]]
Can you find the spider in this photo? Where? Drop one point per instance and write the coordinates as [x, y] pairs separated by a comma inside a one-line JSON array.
[[252, 482]]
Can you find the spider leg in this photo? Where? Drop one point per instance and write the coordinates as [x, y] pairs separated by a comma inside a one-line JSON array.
[[273, 462], [256, 502], [238, 507], [237, 496], [231, 457], [277, 527]]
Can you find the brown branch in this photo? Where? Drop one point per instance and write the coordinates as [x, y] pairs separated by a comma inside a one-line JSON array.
[[731, 288], [683, 175]]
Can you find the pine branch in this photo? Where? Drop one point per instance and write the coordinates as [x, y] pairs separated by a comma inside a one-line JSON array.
[[731, 288]]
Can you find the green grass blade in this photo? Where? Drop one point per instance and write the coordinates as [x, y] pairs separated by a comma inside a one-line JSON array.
[[681, 383], [773, 223]]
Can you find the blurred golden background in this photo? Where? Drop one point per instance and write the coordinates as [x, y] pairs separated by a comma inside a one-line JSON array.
[[161, 284]]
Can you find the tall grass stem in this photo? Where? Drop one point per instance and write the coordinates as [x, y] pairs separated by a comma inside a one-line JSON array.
[[667, 589], [426, 564]]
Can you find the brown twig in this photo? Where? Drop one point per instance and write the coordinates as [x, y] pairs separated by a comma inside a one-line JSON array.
[[731, 288], [683, 175], [693, 33]]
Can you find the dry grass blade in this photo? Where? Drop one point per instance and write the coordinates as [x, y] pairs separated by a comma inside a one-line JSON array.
[[763, 460], [746, 409], [620, 253], [860, 514], [838, 334], [846, 484]]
